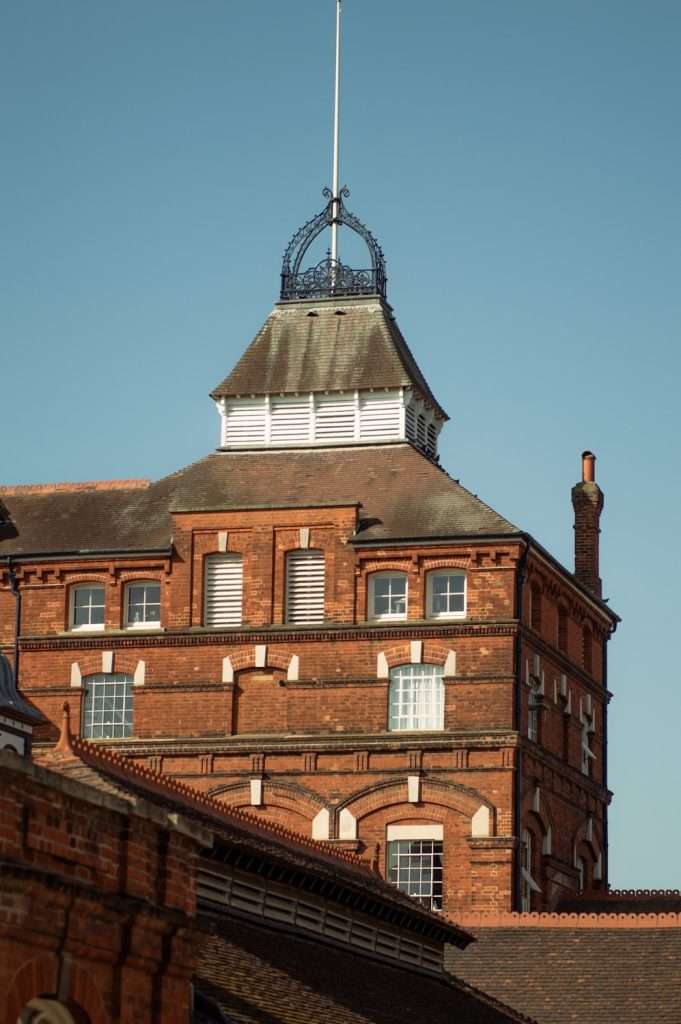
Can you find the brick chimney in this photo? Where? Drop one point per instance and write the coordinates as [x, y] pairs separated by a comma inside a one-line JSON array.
[[587, 501]]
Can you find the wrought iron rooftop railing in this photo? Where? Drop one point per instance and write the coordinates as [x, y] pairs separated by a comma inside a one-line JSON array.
[[329, 277]]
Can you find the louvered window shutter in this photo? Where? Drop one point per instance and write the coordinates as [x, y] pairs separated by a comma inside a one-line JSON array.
[[305, 586], [245, 422], [379, 417], [224, 590], [290, 421], [335, 418]]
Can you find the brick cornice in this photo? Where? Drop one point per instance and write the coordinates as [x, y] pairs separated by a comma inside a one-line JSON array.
[[276, 634], [221, 744]]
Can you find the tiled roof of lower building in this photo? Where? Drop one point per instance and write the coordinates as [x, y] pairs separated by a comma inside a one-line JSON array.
[[261, 976], [400, 494], [568, 968]]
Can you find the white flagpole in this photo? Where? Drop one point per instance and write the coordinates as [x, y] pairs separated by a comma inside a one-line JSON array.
[[336, 139]]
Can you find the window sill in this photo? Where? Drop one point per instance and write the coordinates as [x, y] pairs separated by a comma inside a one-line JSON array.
[[141, 627]]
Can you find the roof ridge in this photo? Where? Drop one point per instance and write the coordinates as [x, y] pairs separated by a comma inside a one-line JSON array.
[[133, 484], [545, 919]]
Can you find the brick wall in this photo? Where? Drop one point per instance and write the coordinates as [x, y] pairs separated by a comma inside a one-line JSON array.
[[287, 693], [97, 903]]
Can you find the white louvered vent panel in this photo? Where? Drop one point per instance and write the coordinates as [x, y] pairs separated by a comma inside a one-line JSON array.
[[421, 431], [379, 417], [245, 422], [432, 439], [224, 590], [335, 418], [290, 421], [305, 586]]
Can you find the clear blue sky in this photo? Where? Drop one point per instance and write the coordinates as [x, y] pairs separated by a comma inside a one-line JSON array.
[[520, 164]]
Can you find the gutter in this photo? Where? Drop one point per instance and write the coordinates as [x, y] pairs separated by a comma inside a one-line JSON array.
[[517, 715], [42, 556], [606, 875]]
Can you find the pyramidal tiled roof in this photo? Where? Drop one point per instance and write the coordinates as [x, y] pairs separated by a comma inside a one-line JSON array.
[[400, 494], [337, 344]]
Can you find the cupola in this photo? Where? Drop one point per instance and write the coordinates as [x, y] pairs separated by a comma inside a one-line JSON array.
[[330, 366]]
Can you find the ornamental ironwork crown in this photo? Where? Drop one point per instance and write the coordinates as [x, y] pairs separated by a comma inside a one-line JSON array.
[[330, 277]]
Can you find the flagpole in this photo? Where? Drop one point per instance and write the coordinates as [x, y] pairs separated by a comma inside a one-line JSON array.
[[336, 139]]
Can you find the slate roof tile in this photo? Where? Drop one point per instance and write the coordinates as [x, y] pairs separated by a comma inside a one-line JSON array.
[[311, 346], [401, 494], [260, 976], [603, 969]]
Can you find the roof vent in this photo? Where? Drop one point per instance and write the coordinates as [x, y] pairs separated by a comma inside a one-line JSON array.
[[313, 312], [339, 312]]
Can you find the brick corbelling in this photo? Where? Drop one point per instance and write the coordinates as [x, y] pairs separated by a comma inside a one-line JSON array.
[[194, 637], [602, 922], [164, 785]]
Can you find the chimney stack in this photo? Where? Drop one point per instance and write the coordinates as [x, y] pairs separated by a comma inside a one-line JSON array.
[[587, 501]]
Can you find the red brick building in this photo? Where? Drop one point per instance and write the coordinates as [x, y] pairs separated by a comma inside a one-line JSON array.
[[316, 622]]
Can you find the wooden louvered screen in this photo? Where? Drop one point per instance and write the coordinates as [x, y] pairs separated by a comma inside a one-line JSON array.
[[379, 417], [290, 421], [335, 418], [224, 590], [305, 586], [245, 422]]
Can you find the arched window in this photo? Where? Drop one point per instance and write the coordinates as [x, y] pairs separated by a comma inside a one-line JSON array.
[[107, 706], [416, 697], [87, 607], [528, 884], [305, 584], [388, 595], [223, 590], [143, 604], [446, 594]]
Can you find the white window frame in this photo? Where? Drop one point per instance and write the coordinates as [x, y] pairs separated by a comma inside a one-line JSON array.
[[88, 627], [399, 846], [149, 623], [124, 689], [527, 883], [430, 596], [387, 616], [424, 704]]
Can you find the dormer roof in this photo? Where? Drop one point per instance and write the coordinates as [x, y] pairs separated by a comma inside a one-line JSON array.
[[327, 345]]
